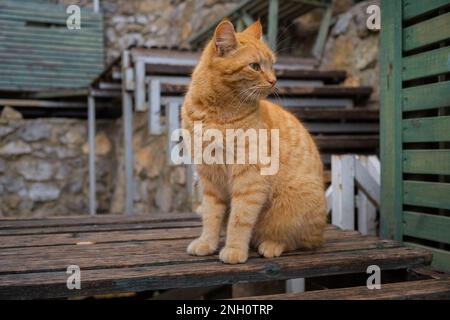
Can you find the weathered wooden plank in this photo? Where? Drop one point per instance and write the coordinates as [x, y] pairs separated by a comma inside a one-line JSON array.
[[51, 14], [335, 113], [60, 21], [96, 228], [158, 252], [430, 63], [326, 127], [427, 194], [342, 142], [441, 258], [53, 284], [106, 219], [430, 96], [426, 226], [433, 129], [410, 290], [47, 240], [52, 39], [426, 161], [50, 45], [390, 117], [427, 32], [415, 8], [41, 6], [83, 33]]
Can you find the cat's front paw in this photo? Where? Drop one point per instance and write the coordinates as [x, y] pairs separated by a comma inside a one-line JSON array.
[[233, 255], [201, 247]]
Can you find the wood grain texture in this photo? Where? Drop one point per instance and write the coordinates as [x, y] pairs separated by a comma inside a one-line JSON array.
[[116, 254], [410, 290]]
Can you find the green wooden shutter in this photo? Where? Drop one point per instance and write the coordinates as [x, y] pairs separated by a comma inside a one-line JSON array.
[[415, 124]]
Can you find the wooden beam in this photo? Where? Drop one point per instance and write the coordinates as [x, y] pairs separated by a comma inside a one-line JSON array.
[[92, 175]]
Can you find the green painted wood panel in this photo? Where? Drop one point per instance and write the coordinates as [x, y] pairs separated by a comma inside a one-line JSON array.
[[50, 34], [427, 194], [52, 14], [433, 129], [441, 258], [18, 29], [427, 32], [414, 8], [390, 117], [427, 162], [40, 6], [12, 43], [430, 96], [426, 226], [426, 64], [57, 21]]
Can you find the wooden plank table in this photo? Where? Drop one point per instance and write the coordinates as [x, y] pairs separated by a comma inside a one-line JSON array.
[[137, 253]]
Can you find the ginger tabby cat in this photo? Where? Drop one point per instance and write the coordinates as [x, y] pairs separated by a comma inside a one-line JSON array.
[[273, 213]]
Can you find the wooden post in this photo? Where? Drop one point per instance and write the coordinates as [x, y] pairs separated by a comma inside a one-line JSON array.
[[367, 212], [139, 86], [91, 138], [391, 120], [127, 115], [154, 110], [173, 123], [343, 173], [272, 31], [96, 6]]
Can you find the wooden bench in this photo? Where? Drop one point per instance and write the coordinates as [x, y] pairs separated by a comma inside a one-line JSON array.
[[118, 254], [38, 51]]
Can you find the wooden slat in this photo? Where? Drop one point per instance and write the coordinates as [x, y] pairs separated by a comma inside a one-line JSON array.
[[414, 8], [148, 277], [150, 252], [430, 96], [96, 228], [410, 290], [434, 129], [42, 6], [335, 113], [426, 226], [430, 63], [427, 32], [342, 142], [390, 117], [441, 258], [427, 194], [83, 220], [426, 161], [83, 46], [54, 20]]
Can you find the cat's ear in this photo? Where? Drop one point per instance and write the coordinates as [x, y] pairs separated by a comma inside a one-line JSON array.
[[225, 38], [255, 30]]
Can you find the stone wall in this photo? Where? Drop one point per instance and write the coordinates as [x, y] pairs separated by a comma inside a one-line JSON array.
[[43, 166]]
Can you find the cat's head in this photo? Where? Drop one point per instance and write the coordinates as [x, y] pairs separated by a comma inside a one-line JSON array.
[[241, 61]]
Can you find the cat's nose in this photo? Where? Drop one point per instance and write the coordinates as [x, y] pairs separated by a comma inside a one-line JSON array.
[[272, 81]]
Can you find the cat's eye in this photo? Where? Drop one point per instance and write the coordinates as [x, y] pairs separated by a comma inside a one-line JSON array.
[[255, 66]]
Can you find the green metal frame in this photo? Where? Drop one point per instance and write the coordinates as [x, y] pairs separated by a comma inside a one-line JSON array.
[[397, 222], [242, 18]]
